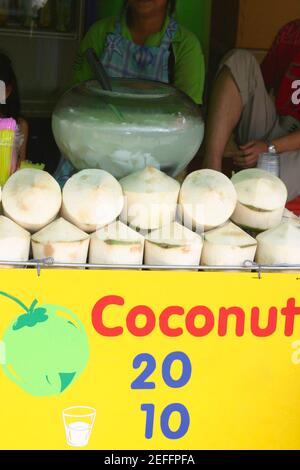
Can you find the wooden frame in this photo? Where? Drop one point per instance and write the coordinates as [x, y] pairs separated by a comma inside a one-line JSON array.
[[224, 27]]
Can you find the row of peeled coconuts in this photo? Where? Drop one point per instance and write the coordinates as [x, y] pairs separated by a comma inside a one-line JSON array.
[[148, 217]]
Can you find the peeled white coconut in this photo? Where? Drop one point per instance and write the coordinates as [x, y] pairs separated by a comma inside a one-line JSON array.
[[92, 199], [173, 245], [289, 216], [116, 244], [228, 245], [14, 242], [280, 245], [261, 199], [32, 198], [208, 199], [150, 199], [61, 241]]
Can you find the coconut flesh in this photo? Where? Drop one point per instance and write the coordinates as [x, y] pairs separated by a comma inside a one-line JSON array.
[[31, 198], [289, 216], [208, 199], [61, 241], [261, 199], [150, 199], [14, 242], [116, 244], [92, 199], [173, 245], [280, 245], [228, 245]]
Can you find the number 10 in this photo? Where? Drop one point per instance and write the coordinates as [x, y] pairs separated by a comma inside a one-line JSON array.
[[164, 420]]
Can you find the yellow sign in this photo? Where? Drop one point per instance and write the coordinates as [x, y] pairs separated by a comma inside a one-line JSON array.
[[149, 360]]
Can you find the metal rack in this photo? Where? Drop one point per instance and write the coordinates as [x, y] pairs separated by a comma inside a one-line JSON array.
[[37, 33], [248, 267]]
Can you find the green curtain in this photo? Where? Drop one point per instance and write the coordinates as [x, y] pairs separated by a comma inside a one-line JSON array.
[[193, 14]]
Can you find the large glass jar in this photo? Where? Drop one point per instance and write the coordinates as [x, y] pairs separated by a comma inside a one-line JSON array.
[[139, 123]]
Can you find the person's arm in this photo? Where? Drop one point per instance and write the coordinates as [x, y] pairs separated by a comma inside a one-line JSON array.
[[24, 129], [189, 71], [288, 143], [249, 153]]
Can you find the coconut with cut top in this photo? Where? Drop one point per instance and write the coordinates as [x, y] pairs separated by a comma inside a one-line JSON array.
[[62, 241], [92, 199], [150, 199], [116, 244], [208, 199], [31, 198], [14, 242], [228, 245], [261, 199], [173, 245], [289, 216], [280, 245]]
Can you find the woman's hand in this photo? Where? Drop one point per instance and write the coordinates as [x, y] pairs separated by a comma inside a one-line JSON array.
[[248, 155]]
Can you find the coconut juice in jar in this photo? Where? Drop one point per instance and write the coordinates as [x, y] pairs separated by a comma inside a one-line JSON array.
[[138, 124]]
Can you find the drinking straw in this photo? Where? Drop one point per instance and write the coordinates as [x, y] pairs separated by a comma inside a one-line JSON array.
[[103, 79], [8, 127]]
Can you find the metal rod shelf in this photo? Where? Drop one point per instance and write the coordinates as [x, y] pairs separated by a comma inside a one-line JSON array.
[[37, 33], [46, 263]]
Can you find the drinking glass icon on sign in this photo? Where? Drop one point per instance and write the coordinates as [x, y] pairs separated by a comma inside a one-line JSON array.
[[79, 422]]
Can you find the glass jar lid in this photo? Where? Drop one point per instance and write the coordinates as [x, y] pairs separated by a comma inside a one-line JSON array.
[[129, 88]]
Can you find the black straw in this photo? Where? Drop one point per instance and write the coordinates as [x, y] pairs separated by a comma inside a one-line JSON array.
[[98, 69]]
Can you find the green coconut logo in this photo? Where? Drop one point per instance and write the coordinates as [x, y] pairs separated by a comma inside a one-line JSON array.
[[46, 348]]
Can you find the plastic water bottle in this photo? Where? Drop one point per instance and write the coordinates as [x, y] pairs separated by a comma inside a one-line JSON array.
[[269, 162]]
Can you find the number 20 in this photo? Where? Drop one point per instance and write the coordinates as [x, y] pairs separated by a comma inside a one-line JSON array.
[[140, 383]]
